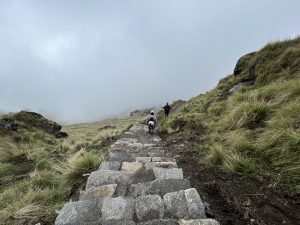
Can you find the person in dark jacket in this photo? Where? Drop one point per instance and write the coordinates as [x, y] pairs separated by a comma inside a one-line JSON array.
[[167, 109]]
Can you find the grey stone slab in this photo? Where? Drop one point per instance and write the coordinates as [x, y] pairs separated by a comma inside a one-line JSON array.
[[160, 153], [199, 222], [151, 165], [80, 212], [184, 204], [172, 173], [158, 187], [98, 192], [160, 222], [131, 166], [106, 222], [120, 156], [103, 177], [149, 207], [143, 159], [163, 159], [110, 165], [118, 208]]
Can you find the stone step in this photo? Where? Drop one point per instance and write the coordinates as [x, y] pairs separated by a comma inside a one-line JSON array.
[[154, 159], [151, 165], [120, 156], [163, 173], [180, 222], [110, 165], [143, 159], [101, 209], [149, 207], [122, 178], [199, 222], [132, 166], [163, 159], [158, 187], [157, 153], [184, 204], [98, 192], [104, 177], [160, 222]]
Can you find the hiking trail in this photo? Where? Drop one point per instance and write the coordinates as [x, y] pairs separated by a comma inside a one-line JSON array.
[[139, 183]]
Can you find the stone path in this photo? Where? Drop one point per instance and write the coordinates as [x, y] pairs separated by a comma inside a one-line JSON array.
[[139, 184]]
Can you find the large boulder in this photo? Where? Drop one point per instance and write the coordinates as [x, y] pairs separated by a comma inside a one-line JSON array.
[[244, 63]]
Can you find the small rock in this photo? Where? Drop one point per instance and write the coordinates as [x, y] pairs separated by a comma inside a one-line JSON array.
[[208, 211], [61, 134]]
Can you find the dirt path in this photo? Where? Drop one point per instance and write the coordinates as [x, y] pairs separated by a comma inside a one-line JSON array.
[[237, 199]]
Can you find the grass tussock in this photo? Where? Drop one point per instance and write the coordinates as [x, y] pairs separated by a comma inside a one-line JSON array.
[[38, 172], [255, 130]]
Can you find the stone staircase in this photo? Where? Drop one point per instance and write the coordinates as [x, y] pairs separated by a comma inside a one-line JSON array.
[[138, 184]]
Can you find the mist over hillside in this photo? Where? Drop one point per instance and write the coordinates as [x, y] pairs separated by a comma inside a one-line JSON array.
[[83, 61]]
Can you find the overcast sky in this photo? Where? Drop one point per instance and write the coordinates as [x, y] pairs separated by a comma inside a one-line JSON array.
[[83, 60]]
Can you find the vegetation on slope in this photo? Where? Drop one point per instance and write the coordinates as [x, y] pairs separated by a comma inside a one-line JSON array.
[[39, 172], [255, 130]]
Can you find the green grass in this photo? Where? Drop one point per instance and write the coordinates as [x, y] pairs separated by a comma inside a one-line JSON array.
[[257, 129], [39, 173]]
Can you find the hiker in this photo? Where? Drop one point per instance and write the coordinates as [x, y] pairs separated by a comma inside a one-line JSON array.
[[167, 109], [151, 121]]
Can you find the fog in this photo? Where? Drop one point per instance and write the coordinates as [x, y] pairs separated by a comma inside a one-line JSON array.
[[79, 61]]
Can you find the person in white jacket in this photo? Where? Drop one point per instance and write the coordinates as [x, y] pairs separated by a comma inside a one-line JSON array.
[[151, 121], [151, 117]]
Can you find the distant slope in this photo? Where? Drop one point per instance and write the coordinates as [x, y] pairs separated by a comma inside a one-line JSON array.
[[249, 123]]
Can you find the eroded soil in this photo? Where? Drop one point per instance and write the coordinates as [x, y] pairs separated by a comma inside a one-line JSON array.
[[236, 199]]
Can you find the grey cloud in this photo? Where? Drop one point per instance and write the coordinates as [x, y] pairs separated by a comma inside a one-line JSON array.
[[81, 60]]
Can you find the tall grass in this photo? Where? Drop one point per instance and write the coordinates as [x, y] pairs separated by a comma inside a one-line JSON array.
[[38, 173], [255, 130]]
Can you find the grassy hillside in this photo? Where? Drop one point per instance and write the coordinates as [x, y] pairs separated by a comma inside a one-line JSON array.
[[39, 172], [254, 129]]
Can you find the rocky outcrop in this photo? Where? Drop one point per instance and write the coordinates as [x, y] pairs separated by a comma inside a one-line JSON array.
[[244, 63], [33, 119], [139, 183], [37, 120]]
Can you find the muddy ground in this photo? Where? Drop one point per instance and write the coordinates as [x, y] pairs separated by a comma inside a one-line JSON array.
[[236, 199]]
